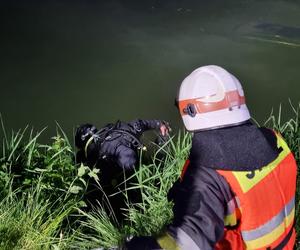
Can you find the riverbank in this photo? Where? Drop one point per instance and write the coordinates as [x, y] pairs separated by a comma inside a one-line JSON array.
[[41, 198]]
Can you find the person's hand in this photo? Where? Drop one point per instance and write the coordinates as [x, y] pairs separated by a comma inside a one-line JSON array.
[[165, 129]]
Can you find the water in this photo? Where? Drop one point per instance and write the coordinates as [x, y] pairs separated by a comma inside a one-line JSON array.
[[99, 61]]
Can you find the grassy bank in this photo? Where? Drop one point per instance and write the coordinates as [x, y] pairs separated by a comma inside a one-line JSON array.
[[41, 191]]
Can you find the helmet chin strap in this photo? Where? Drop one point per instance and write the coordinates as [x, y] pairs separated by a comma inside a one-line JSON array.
[[87, 145]]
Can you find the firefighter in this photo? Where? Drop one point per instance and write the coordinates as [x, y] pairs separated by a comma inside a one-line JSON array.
[[237, 188]]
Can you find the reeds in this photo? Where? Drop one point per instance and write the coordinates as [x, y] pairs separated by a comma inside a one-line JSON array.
[[29, 221], [41, 190]]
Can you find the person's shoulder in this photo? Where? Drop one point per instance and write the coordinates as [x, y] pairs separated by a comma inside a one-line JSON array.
[[115, 126], [124, 125], [195, 172], [267, 130], [270, 136]]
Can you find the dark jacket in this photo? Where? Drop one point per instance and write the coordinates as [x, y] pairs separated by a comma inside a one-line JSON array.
[[117, 144], [200, 198]]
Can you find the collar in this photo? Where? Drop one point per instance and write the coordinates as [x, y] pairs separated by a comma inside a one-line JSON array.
[[239, 148]]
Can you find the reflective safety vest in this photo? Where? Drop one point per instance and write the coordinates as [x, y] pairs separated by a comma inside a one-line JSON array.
[[261, 215]]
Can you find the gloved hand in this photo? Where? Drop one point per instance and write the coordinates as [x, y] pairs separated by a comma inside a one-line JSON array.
[[164, 128], [164, 133]]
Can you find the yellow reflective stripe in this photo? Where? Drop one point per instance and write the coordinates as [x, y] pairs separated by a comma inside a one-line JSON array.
[[270, 225], [232, 205], [230, 220], [246, 184], [167, 242], [272, 236]]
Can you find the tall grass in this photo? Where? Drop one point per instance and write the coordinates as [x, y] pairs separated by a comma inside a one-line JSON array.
[[149, 216], [154, 181], [28, 221], [41, 191], [24, 161]]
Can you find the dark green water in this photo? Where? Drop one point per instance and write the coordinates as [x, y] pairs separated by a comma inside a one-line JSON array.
[[99, 61]]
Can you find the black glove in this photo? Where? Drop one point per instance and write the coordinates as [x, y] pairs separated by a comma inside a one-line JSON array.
[[164, 133]]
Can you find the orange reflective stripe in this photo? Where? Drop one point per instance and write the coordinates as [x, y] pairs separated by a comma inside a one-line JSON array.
[[231, 99]]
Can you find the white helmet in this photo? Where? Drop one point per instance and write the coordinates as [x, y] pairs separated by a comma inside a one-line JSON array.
[[211, 97]]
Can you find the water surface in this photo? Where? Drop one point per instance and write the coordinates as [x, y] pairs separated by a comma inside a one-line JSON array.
[[99, 61]]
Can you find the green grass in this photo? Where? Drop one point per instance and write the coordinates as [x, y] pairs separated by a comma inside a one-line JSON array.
[[28, 221], [41, 191], [154, 212]]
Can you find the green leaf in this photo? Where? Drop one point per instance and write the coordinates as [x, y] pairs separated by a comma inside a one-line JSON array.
[[81, 170], [92, 174], [96, 170], [82, 204], [27, 181], [75, 189], [83, 181]]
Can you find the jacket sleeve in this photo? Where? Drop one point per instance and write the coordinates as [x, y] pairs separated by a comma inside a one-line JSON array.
[[143, 125], [199, 206]]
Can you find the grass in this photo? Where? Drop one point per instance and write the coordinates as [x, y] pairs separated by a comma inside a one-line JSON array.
[[41, 193], [26, 223], [154, 212]]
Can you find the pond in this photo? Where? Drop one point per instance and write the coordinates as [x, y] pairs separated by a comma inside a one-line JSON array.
[[100, 61]]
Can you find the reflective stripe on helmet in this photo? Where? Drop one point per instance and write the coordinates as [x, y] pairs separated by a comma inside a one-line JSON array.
[[230, 100]]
